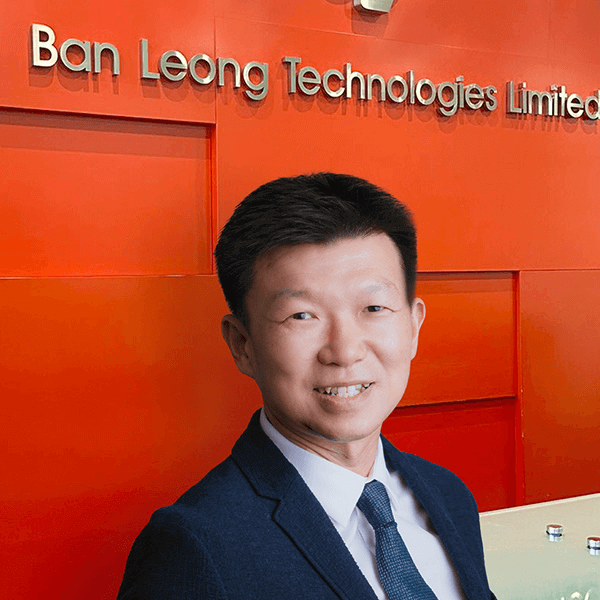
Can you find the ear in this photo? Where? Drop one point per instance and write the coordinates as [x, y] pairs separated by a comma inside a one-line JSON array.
[[237, 338], [417, 317]]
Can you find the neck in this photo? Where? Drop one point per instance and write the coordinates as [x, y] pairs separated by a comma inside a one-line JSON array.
[[356, 455]]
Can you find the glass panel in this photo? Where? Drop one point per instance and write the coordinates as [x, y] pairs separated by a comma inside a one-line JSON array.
[[523, 564]]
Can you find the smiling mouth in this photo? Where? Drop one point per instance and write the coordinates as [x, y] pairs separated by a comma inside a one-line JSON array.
[[344, 391]]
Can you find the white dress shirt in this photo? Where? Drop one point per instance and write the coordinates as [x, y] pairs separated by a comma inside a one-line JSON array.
[[338, 490]]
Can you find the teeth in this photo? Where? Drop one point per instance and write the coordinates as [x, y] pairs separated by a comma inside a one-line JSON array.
[[344, 391]]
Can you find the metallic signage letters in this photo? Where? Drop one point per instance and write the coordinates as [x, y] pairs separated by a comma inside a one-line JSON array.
[[376, 6], [343, 82]]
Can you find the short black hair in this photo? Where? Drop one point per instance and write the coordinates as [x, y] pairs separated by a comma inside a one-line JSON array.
[[308, 209]]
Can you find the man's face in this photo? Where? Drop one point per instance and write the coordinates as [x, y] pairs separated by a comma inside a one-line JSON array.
[[331, 337]]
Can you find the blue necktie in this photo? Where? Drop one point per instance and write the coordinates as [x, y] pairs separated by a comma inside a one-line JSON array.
[[398, 574]]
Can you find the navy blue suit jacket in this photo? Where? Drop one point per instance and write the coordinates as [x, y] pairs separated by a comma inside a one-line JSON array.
[[251, 529]]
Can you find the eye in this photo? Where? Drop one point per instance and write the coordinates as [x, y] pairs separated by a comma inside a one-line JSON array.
[[301, 316], [374, 308]]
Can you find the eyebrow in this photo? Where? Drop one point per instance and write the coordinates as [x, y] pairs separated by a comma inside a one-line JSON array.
[[376, 287], [383, 285]]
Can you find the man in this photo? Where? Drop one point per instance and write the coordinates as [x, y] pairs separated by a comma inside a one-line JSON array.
[[319, 274]]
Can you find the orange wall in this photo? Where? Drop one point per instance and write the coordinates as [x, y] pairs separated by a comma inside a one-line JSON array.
[[117, 392]]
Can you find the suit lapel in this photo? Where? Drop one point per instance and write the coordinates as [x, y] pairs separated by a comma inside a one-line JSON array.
[[305, 521], [299, 513]]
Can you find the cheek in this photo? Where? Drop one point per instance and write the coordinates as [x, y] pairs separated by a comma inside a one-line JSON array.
[[283, 358], [396, 349], [395, 338]]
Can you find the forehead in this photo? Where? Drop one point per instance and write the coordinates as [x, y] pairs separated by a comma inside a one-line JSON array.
[[374, 256]]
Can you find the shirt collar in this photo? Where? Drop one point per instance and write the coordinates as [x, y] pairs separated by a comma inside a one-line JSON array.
[[336, 488]]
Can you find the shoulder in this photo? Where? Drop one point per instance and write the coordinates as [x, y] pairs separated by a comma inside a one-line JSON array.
[[431, 471], [179, 553], [171, 558], [218, 502]]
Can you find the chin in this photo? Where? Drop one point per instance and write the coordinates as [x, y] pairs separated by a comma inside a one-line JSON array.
[[345, 434]]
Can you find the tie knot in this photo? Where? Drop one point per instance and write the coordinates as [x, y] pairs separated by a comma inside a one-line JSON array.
[[374, 503]]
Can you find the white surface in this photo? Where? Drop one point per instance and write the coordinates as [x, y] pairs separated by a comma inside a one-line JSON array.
[[522, 564]]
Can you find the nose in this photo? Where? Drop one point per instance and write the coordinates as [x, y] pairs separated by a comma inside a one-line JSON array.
[[343, 345]]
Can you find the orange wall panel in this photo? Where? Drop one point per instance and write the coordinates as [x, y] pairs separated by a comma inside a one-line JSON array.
[[468, 339], [118, 394], [493, 26], [94, 196], [571, 35], [126, 395], [462, 175], [475, 440], [482, 185], [561, 415]]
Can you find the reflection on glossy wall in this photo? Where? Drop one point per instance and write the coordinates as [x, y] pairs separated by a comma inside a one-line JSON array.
[[117, 392]]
